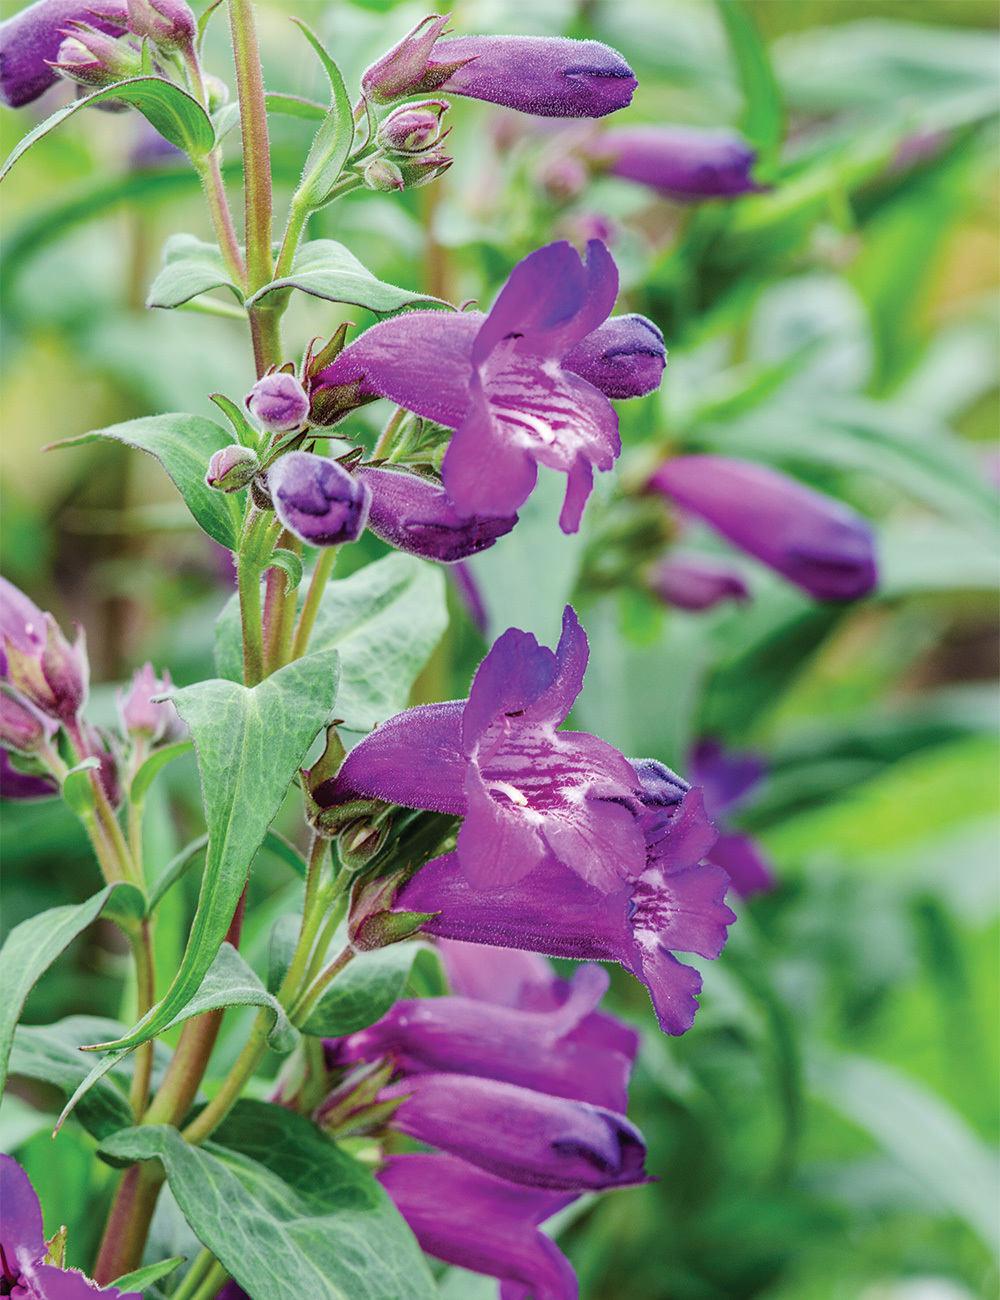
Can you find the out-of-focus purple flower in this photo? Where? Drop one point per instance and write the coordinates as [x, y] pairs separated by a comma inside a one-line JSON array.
[[22, 726], [624, 357], [549, 76], [499, 383], [278, 402], [169, 24], [37, 660], [466, 1217], [232, 468], [696, 582], [17, 785], [317, 499], [158, 723], [813, 540], [414, 514], [728, 780], [23, 1268], [30, 40], [680, 161], [675, 905], [527, 792]]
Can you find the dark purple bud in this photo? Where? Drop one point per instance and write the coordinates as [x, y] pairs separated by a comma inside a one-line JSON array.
[[49, 672], [22, 727], [140, 716], [680, 161], [169, 24], [232, 468], [317, 499], [17, 785], [30, 40], [412, 128], [92, 58], [696, 582], [624, 357], [813, 540], [278, 402], [406, 69], [415, 515]]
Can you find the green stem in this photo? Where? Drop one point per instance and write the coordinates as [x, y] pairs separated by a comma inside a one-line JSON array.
[[384, 444], [128, 1224], [233, 1084], [279, 611], [313, 910], [326, 934], [195, 1275], [298, 215], [145, 978], [250, 619], [317, 585], [299, 1013], [214, 1281], [210, 174]]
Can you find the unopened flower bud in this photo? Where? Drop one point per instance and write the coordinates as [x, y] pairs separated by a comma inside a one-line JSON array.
[[318, 500], [92, 58], [30, 42], [52, 675], [696, 582], [417, 170], [278, 402], [685, 163], [359, 841], [140, 716], [406, 68], [416, 515], [624, 357], [232, 468], [17, 785], [22, 727], [216, 90], [169, 24], [383, 175], [412, 128]]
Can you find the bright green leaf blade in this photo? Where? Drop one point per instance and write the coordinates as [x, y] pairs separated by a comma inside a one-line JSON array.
[[173, 871], [326, 269], [76, 787], [294, 106], [363, 992], [148, 772], [244, 430], [763, 112], [290, 564], [183, 444], [250, 743], [190, 267], [176, 115], [140, 1278], [332, 143], [287, 1213]]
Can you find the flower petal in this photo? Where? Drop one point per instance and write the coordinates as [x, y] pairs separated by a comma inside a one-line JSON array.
[[740, 857]]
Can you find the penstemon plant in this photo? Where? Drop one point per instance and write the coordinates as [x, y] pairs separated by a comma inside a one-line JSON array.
[[475, 828]]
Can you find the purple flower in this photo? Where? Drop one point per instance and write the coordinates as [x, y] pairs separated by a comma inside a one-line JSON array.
[[728, 779], [466, 1217], [414, 514], [696, 582], [680, 161], [18, 786], [29, 40], [549, 76], [95, 59], [24, 1272], [158, 723], [169, 24], [813, 540], [499, 383], [318, 500], [413, 128], [624, 357], [278, 402], [676, 904], [37, 660], [22, 726], [527, 792]]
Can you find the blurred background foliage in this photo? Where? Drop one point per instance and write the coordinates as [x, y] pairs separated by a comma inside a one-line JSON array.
[[828, 1129]]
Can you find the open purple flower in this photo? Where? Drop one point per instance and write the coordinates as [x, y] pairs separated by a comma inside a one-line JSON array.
[[527, 792], [680, 161], [813, 540], [30, 40], [499, 381], [414, 514], [728, 780], [24, 1272]]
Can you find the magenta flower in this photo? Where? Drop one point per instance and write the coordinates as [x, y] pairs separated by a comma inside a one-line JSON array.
[[696, 582], [728, 779], [813, 540], [36, 660], [139, 716], [24, 1273], [527, 791], [317, 499], [17, 786], [30, 40], [499, 381], [682, 162]]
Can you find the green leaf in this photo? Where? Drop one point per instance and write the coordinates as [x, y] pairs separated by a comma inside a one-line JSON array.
[[173, 871], [244, 430], [332, 143], [290, 564], [295, 106], [763, 111], [285, 852], [287, 1213], [327, 269], [140, 1278], [183, 444], [76, 787], [30, 950], [385, 620], [190, 267], [176, 115], [250, 743], [148, 772], [363, 991]]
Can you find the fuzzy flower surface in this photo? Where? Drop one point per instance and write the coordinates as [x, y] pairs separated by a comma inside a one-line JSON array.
[[30, 40]]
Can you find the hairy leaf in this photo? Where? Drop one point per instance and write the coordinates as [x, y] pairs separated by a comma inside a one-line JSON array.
[[326, 269], [190, 267]]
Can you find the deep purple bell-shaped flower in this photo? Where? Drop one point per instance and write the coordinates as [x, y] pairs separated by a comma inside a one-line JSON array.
[[416, 515], [30, 40], [682, 162], [624, 357], [318, 500]]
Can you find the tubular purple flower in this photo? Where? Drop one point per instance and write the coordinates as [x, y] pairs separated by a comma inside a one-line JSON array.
[[682, 162], [728, 779], [813, 540], [30, 40], [466, 1217], [140, 716], [317, 499], [414, 514], [696, 582], [623, 358], [278, 402], [527, 791], [37, 660], [17, 786]]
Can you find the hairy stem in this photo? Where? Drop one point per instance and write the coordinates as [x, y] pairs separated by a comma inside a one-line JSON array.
[[128, 1224], [142, 949], [250, 619], [298, 215], [313, 911], [317, 585], [279, 611], [384, 444], [196, 1274], [300, 1011], [233, 1084], [210, 173]]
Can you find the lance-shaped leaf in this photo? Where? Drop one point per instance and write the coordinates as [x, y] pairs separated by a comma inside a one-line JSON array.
[[327, 269], [763, 117], [177, 116], [250, 743], [287, 1213], [190, 267], [141, 1278], [183, 444], [149, 770], [33, 946], [332, 142]]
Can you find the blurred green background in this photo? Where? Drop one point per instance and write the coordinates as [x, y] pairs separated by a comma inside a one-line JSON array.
[[828, 1129]]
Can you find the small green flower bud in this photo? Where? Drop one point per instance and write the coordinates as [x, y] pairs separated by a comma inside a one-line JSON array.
[[381, 174]]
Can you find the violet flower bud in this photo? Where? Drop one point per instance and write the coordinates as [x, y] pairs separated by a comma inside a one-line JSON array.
[[22, 727], [406, 68], [624, 357], [37, 660], [412, 128], [696, 582], [92, 58], [140, 716], [679, 161], [278, 402], [232, 468], [317, 499], [416, 515], [813, 540], [169, 24], [17, 785], [30, 40]]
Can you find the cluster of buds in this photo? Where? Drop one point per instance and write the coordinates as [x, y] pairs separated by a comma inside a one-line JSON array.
[[409, 147]]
